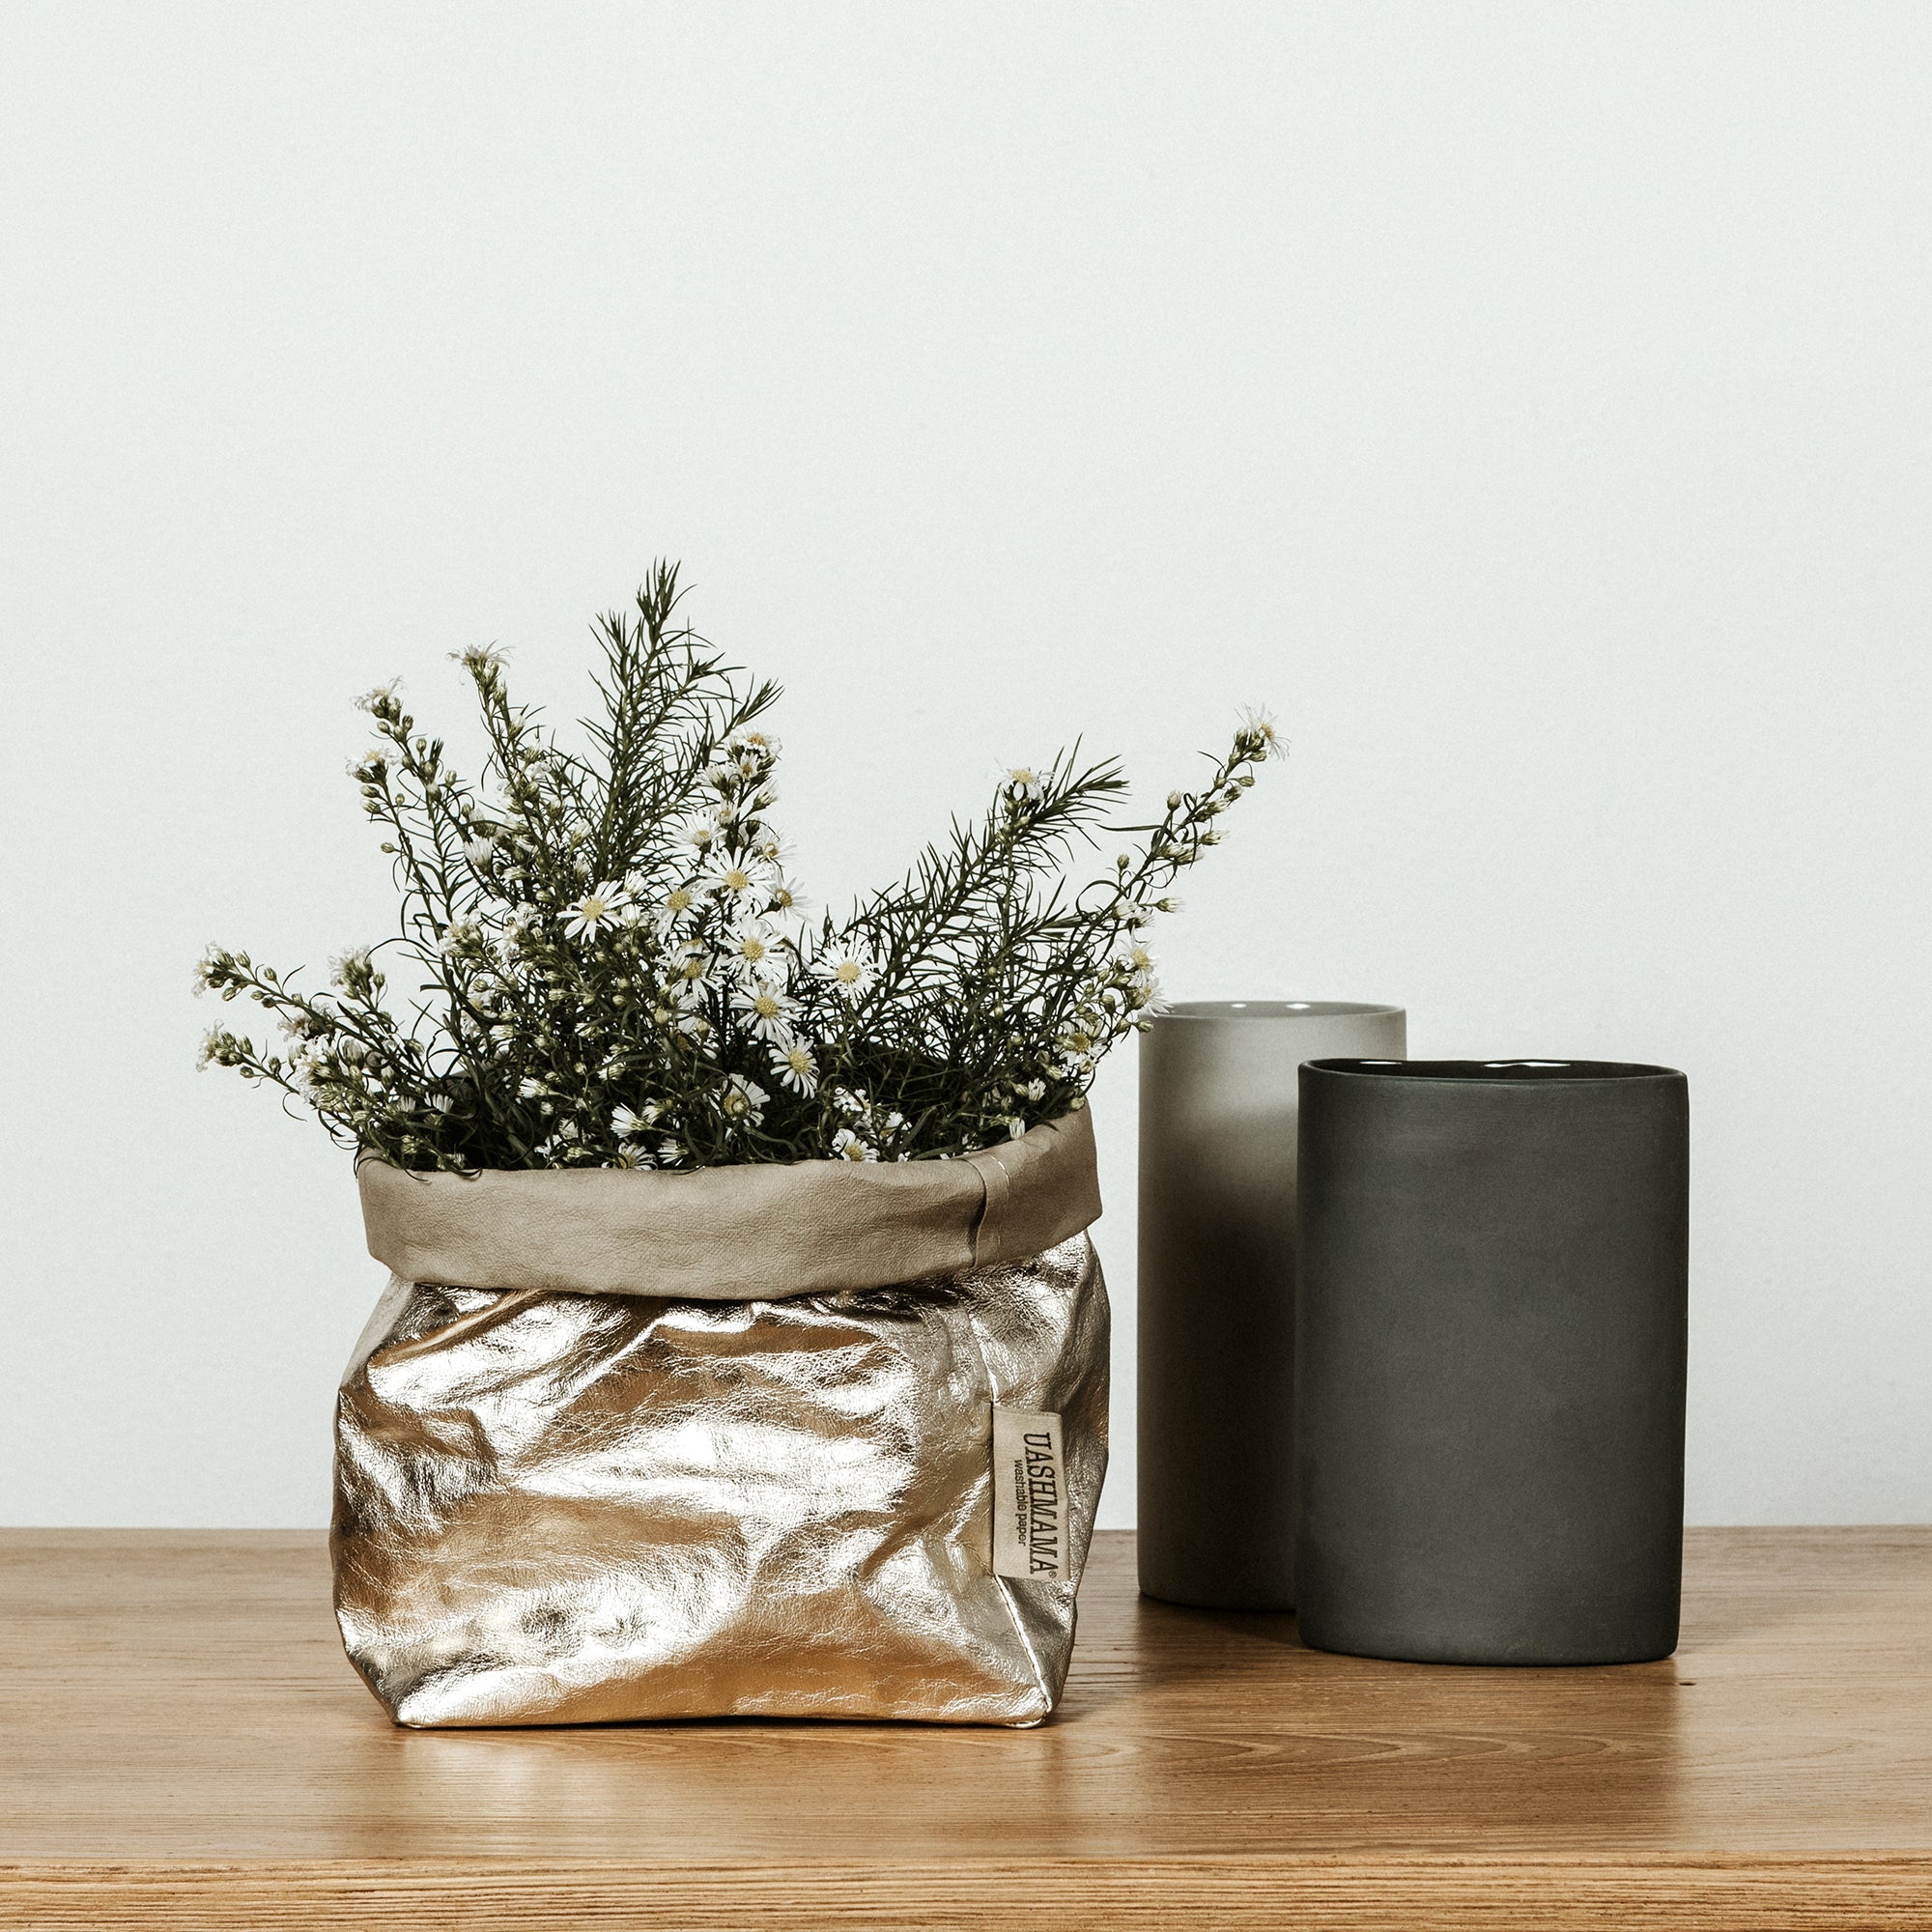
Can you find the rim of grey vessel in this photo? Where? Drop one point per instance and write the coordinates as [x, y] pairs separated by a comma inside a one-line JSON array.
[[1524, 1072], [1270, 1010]]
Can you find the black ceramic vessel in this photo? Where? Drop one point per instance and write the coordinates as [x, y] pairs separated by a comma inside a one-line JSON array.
[[1490, 1353]]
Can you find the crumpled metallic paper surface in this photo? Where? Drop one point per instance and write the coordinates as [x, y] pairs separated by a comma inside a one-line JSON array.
[[557, 1508]]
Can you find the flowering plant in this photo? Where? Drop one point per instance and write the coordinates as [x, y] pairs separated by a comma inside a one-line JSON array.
[[615, 967]]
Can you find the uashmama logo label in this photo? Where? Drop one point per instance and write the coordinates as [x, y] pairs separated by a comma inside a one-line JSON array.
[[1029, 1496]]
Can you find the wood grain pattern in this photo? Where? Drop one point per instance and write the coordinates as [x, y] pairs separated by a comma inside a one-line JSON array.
[[182, 1744]]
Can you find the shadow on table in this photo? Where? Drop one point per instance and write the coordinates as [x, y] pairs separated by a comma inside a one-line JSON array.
[[1320, 1746]]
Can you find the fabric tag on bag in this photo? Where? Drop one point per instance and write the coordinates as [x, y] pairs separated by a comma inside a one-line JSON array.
[[1029, 1496]]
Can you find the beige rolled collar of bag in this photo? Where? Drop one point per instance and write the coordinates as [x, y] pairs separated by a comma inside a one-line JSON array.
[[761, 1231]]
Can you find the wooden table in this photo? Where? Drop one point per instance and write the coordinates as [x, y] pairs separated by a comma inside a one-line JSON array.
[[182, 1744]]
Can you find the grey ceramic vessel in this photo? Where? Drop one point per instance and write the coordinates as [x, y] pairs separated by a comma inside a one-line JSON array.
[[1491, 1357], [1216, 1288]]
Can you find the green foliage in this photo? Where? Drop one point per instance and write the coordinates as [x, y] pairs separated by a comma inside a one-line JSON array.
[[610, 965]]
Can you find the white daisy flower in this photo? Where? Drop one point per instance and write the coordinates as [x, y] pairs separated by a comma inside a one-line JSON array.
[[670, 1153], [670, 912], [382, 699], [1035, 1090], [848, 972], [348, 970], [796, 1069], [482, 660], [760, 743], [752, 952], [743, 1099], [743, 882], [676, 911], [848, 1146], [688, 970], [628, 1125], [1077, 1049], [699, 835], [774, 850], [787, 901], [1024, 786], [1257, 735], [594, 911], [766, 1011]]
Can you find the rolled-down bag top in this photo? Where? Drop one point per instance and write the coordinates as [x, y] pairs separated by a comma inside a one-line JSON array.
[[814, 1439]]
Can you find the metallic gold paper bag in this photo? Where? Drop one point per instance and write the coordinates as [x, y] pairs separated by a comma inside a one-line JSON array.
[[629, 1444]]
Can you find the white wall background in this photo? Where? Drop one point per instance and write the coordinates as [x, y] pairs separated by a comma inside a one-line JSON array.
[[1530, 403]]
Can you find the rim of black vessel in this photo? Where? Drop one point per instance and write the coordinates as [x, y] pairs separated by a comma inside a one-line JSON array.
[[1498, 1072]]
